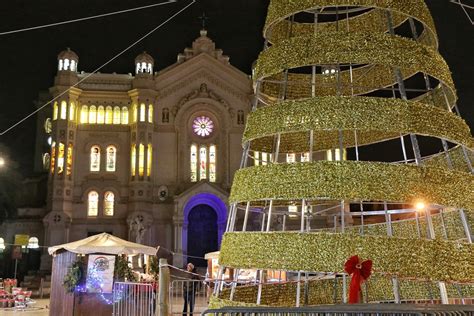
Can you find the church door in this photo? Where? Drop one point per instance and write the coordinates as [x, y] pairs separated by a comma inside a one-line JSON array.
[[202, 233]]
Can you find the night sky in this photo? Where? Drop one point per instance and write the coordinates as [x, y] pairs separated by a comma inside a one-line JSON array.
[[28, 60]]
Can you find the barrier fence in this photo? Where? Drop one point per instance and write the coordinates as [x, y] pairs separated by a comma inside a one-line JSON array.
[[188, 296], [133, 299]]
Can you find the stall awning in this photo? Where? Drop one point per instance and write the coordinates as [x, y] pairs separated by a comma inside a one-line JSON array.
[[105, 243]]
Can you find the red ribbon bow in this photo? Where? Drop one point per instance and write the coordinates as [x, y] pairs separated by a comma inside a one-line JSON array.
[[360, 272]]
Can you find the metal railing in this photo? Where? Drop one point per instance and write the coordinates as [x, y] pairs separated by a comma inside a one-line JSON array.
[[133, 299], [349, 310], [188, 296]]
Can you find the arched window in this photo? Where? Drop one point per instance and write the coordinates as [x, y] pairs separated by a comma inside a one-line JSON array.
[[141, 160], [55, 111], [193, 163], [202, 163], [125, 115], [69, 159], [290, 158], [305, 157], [73, 65], [60, 65], [93, 203], [137, 70], [53, 156], [46, 161], [240, 117], [212, 163], [109, 199], [66, 64], [133, 160], [149, 160], [100, 115], [95, 159], [150, 113], [61, 158], [109, 115], [111, 159], [84, 114], [116, 115], [165, 116], [256, 158], [72, 111], [63, 110], [48, 126], [135, 113], [142, 112], [92, 115]]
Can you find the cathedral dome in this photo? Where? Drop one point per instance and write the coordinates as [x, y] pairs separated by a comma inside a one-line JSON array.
[[67, 60], [144, 63]]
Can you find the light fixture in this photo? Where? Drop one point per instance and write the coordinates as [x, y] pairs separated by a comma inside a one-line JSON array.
[[2, 161], [420, 205], [33, 243], [50, 140], [2, 244]]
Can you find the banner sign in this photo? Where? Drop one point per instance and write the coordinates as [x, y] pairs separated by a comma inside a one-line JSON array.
[[100, 274], [21, 240]]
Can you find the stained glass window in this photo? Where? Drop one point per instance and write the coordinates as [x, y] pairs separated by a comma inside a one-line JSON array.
[[111, 159], [149, 160], [212, 163], [95, 159], [84, 114], [142, 112], [61, 158], [141, 160], [55, 111], [63, 110], [53, 156], [116, 115], [72, 111], [133, 160], [202, 163], [203, 126], [124, 115], [100, 115], [109, 199], [109, 115], [93, 204], [150, 113], [193, 163], [69, 160], [92, 115]]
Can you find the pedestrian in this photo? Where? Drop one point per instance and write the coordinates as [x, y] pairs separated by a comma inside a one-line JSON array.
[[189, 289]]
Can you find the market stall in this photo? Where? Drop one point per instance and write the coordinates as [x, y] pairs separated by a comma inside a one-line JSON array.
[[84, 272]]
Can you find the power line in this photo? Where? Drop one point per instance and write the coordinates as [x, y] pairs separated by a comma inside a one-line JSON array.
[[86, 18], [96, 70]]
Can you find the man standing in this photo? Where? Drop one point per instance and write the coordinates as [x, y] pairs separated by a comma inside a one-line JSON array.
[[189, 289]]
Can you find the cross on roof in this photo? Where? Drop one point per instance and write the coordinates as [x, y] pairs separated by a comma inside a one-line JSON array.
[[203, 19]]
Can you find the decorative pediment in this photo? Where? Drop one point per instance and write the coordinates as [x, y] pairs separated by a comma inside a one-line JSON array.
[[203, 93]]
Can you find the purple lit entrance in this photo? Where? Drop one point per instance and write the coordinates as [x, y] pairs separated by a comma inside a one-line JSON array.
[[205, 217]]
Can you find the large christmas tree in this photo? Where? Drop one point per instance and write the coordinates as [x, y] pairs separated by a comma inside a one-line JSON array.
[[336, 81]]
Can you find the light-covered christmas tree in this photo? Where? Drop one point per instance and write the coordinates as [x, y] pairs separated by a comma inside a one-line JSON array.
[[339, 79]]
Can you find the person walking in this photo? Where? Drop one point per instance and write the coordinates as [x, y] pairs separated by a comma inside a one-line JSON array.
[[189, 290]]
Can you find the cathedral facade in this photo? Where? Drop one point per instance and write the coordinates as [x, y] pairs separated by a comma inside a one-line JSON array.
[[148, 157]]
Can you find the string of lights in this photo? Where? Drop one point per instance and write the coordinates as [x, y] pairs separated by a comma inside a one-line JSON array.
[[85, 18], [97, 69]]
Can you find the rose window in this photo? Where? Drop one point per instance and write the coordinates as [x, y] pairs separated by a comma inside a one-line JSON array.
[[203, 126]]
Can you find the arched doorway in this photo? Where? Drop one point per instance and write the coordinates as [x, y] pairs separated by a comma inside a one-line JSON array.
[[202, 233], [208, 207]]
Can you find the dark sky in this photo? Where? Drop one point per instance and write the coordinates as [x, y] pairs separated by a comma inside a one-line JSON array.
[[28, 60]]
